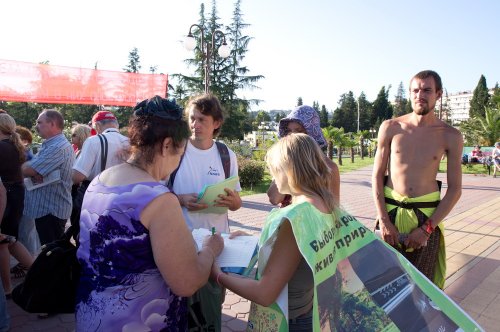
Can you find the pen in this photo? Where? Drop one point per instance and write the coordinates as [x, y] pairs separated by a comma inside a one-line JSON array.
[[213, 230]]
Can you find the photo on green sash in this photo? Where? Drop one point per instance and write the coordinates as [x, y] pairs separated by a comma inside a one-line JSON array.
[[372, 291]]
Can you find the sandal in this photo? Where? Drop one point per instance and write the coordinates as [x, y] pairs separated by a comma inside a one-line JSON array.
[[19, 271]]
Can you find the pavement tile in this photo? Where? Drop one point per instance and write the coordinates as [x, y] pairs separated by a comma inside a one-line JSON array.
[[479, 300], [493, 309]]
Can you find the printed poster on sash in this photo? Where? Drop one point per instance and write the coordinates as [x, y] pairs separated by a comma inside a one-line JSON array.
[[363, 284]]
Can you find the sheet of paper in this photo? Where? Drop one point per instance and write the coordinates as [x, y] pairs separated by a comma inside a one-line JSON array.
[[50, 178], [237, 251], [211, 192]]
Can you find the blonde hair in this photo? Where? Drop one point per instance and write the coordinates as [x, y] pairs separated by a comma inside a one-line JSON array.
[[300, 158], [81, 131], [8, 127]]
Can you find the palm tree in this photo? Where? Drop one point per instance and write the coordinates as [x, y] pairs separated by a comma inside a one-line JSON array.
[[350, 142], [361, 136], [329, 140], [483, 130], [338, 138]]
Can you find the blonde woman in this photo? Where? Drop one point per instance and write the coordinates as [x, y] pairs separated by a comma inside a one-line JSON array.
[[79, 133], [12, 154], [299, 169]]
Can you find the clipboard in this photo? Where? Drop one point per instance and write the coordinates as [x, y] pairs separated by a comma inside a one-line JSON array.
[[210, 193], [239, 254]]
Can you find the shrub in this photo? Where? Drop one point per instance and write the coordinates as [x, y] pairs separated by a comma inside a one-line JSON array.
[[240, 149], [250, 171]]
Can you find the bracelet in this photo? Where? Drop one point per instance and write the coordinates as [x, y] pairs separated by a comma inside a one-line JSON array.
[[428, 226], [217, 279], [425, 231]]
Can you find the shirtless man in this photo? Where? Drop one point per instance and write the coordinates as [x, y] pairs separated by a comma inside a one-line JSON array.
[[411, 147]]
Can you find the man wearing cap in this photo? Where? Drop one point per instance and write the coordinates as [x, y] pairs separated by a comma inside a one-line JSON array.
[[50, 205], [88, 165]]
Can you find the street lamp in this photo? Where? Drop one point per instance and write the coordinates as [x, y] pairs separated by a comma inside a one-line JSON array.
[[372, 132], [358, 115], [207, 49], [263, 126]]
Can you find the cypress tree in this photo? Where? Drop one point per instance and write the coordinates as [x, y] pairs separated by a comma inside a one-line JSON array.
[[480, 99]]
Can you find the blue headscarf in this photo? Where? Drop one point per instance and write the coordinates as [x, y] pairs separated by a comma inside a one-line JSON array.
[[308, 118]]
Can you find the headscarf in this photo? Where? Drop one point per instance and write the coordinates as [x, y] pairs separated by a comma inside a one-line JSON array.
[[160, 107], [308, 118]]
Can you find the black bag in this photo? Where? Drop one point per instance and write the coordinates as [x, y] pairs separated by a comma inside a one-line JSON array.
[[79, 192], [51, 282]]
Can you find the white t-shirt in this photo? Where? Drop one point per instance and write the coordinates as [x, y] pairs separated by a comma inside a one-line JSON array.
[[89, 161], [199, 168]]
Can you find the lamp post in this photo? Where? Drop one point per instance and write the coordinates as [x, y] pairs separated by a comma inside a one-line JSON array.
[[263, 126], [358, 115], [207, 49], [372, 132]]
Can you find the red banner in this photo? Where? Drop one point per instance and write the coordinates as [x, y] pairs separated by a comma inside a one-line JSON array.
[[30, 82]]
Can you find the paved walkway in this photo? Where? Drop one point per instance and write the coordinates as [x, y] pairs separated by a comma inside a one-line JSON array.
[[472, 241]]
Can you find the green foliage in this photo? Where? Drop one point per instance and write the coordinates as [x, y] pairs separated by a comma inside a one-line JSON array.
[[250, 171], [323, 117], [25, 114], [241, 150], [226, 76], [483, 130], [479, 99], [260, 153], [134, 62], [279, 116], [262, 116], [382, 109], [345, 116], [335, 136], [299, 101], [365, 112], [400, 102], [258, 188]]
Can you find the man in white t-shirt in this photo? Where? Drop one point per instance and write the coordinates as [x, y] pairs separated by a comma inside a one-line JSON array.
[[201, 165], [88, 164]]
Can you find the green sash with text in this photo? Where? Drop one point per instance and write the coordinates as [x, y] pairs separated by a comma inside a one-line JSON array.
[[360, 282]]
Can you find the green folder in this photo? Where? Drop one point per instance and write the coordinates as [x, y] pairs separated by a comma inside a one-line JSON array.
[[209, 194]]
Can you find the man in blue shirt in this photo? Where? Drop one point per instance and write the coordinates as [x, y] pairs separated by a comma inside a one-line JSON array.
[[50, 205]]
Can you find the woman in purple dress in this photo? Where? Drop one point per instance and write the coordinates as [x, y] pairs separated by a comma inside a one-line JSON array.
[[139, 260]]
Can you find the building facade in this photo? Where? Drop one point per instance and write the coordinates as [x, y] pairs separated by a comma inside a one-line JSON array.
[[458, 105]]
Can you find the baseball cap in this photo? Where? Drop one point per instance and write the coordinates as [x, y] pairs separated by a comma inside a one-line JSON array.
[[103, 115]]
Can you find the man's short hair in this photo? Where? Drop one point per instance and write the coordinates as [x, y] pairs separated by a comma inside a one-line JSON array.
[[208, 104], [55, 117], [429, 73]]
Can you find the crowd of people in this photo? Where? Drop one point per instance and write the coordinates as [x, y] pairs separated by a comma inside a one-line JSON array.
[[133, 202]]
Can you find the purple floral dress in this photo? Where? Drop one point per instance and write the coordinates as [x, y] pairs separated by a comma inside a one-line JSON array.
[[121, 288]]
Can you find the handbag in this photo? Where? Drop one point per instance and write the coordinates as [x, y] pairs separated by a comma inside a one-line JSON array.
[[51, 282]]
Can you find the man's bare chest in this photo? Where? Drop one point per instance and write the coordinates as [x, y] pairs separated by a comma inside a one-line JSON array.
[[417, 148]]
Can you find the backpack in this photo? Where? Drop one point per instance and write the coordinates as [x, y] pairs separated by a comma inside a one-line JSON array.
[[51, 282], [224, 158]]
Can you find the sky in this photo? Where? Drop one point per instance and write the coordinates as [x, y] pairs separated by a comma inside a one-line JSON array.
[[316, 49]]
